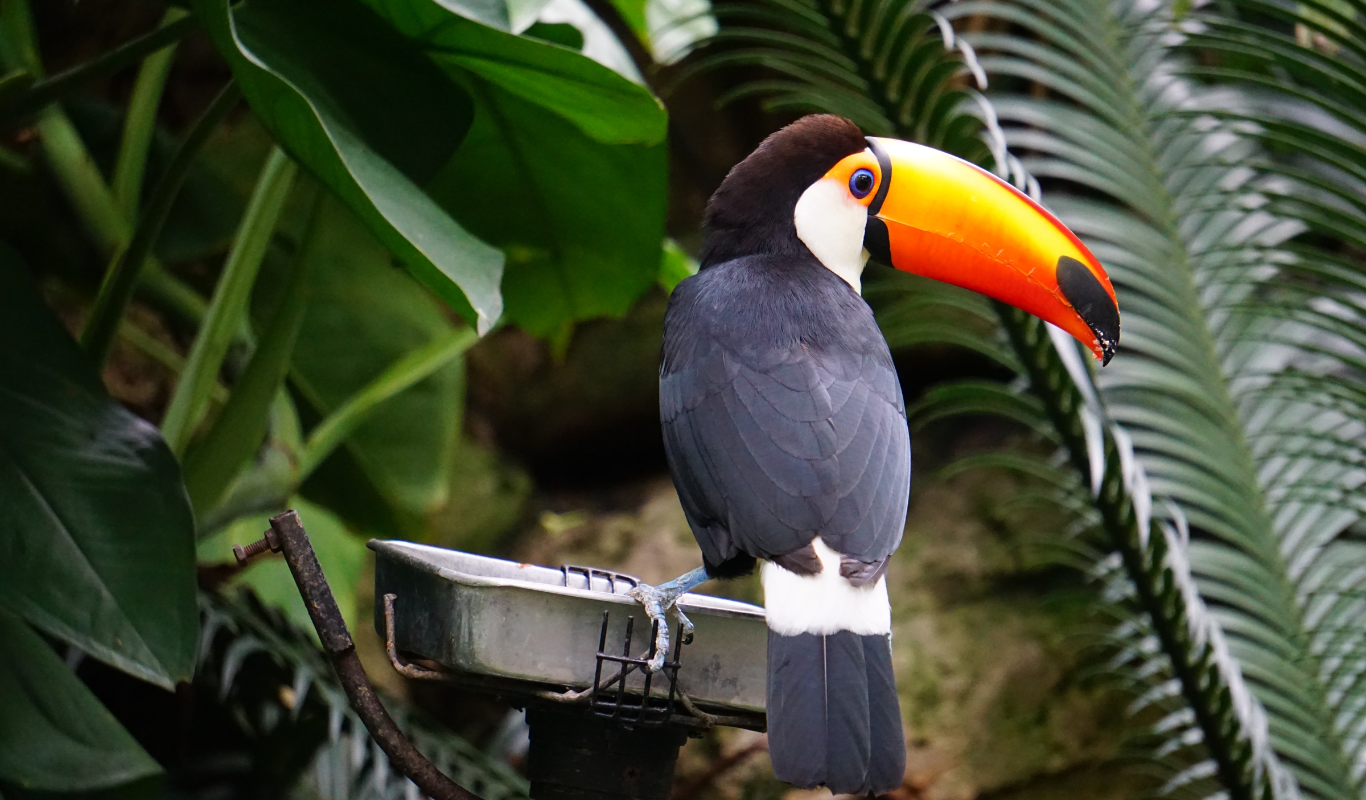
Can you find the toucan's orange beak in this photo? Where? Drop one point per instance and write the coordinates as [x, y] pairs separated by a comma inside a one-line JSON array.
[[941, 217]]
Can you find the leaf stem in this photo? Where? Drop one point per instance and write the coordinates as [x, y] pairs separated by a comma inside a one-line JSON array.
[[81, 180], [71, 164], [122, 277], [608, 13], [140, 120], [45, 92], [400, 375], [18, 39], [228, 307], [163, 354], [211, 466]]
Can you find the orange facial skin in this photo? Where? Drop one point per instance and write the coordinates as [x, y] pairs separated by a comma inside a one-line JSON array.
[[954, 222]]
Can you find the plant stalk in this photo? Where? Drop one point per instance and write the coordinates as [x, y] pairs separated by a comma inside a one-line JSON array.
[[228, 308], [140, 121], [71, 164], [45, 92], [81, 180], [117, 289], [211, 466], [400, 375]]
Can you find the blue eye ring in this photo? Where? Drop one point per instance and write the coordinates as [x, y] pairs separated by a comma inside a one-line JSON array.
[[862, 182]]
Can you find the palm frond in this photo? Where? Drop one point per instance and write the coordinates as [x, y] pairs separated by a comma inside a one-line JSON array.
[[889, 65], [1228, 383], [243, 640]]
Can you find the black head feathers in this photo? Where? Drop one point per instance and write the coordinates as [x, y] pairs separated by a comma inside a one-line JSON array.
[[752, 210]]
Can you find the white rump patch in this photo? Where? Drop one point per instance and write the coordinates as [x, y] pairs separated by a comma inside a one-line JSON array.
[[824, 603], [830, 222]]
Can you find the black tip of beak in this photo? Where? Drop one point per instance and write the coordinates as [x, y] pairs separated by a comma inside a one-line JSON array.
[[1092, 303]]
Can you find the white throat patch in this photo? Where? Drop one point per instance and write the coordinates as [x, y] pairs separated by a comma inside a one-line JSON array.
[[830, 222]]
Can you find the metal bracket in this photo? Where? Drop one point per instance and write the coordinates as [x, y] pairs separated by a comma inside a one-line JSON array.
[[627, 707], [605, 698], [607, 574]]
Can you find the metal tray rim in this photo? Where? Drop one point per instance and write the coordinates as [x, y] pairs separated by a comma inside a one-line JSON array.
[[399, 550]]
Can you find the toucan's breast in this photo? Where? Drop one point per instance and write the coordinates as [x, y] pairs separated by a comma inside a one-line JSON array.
[[783, 417]]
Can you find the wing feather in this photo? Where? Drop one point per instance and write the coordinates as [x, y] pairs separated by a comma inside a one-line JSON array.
[[774, 440]]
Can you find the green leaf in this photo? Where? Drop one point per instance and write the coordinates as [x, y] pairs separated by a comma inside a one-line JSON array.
[[372, 117], [575, 196], [341, 554], [54, 734], [601, 103], [581, 222], [97, 537], [675, 266], [362, 318], [561, 33], [227, 310], [633, 11]]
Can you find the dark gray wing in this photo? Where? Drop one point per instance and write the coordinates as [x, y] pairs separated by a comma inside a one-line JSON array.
[[772, 445]]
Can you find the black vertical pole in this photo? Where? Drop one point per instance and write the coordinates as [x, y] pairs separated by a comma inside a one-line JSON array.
[[577, 756]]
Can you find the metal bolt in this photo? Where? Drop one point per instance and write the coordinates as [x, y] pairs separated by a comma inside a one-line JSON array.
[[271, 542]]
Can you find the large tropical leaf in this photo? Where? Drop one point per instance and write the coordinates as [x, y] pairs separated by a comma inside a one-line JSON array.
[[353, 101], [582, 223], [96, 537], [564, 168], [54, 734], [379, 99], [362, 317], [601, 103]]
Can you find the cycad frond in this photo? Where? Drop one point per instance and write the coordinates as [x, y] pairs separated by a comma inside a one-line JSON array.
[[893, 67], [346, 764], [1234, 357]]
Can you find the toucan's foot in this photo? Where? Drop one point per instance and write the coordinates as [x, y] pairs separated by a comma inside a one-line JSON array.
[[657, 601]]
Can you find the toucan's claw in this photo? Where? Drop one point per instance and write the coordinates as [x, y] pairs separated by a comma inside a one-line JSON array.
[[685, 623], [657, 601]]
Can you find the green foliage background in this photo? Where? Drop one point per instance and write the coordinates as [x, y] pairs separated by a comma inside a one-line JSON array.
[[358, 228]]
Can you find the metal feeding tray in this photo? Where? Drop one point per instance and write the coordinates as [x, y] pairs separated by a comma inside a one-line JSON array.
[[525, 630]]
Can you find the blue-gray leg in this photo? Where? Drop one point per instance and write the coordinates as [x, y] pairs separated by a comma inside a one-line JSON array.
[[657, 601]]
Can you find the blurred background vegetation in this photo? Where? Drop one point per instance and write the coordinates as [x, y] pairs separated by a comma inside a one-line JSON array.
[[402, 265]]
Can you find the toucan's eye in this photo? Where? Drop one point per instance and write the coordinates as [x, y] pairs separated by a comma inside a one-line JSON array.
[[861, 183]]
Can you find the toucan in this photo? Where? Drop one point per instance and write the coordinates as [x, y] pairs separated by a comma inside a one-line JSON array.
[[783, 418]]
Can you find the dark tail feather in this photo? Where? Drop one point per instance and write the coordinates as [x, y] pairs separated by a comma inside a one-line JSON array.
[[833, 715]]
